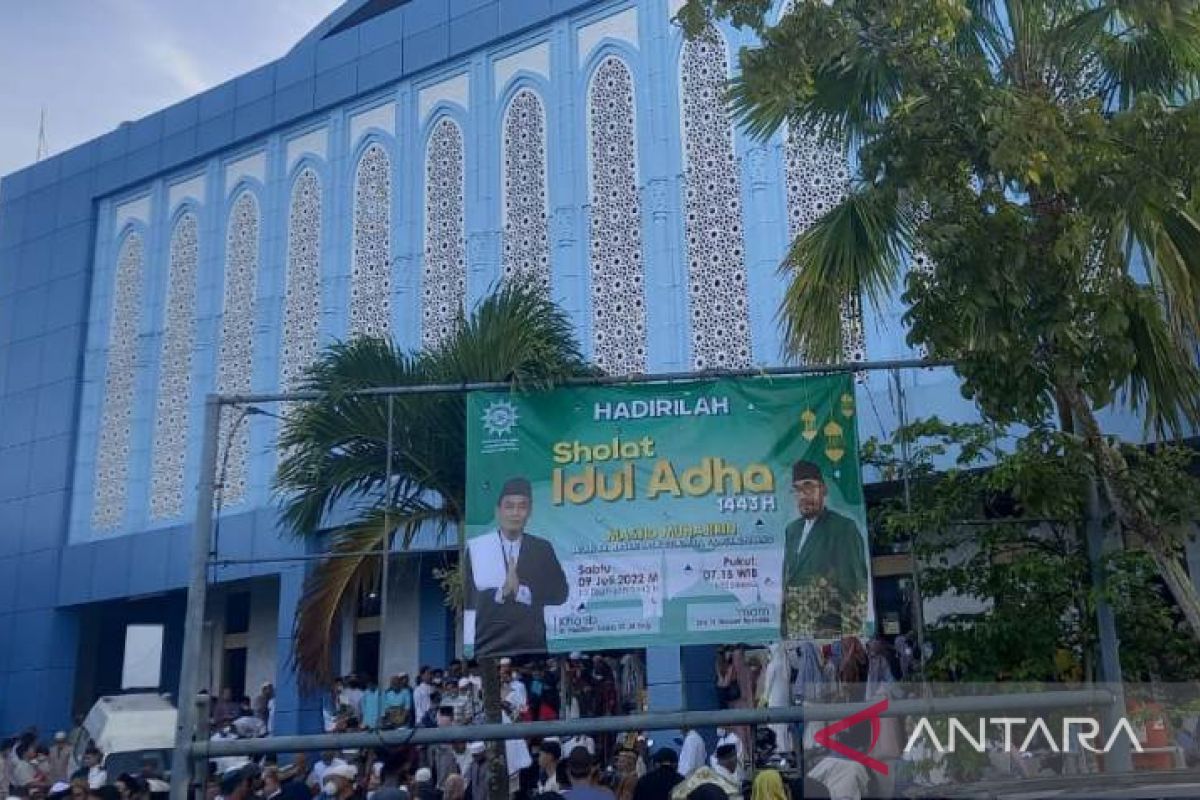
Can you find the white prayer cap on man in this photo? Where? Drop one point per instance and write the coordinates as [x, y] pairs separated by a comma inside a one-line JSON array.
[[424, 775], [61, 736], [464, 683], [59, 787], [506, 662], [346, 771], [575, 656], [475, 748]]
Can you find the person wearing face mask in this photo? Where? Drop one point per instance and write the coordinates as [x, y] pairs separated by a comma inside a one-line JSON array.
[[329, 760], [338, 783], [477, 777]]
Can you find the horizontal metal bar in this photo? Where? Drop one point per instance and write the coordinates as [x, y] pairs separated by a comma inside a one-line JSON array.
[[603, 380], [230, 562], [650, 722]]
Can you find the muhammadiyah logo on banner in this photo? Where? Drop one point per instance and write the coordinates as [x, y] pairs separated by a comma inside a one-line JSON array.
[[689, 513]]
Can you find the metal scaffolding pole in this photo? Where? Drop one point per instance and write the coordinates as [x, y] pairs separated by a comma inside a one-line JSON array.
[[193, 627], [815, 712]]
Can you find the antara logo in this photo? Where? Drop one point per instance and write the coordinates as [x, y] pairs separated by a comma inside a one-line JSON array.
[[1081, 730]]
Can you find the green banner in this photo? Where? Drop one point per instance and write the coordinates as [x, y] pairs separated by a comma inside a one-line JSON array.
[[709, 511]]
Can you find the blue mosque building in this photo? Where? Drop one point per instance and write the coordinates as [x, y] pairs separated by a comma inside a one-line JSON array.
[[397, 163]]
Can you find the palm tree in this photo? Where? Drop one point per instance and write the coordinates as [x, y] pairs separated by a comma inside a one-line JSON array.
[[1042, 154], [334, 450]]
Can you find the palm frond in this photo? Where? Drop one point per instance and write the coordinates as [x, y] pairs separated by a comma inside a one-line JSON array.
[[339, 579], [854, 252], [1164, 380]]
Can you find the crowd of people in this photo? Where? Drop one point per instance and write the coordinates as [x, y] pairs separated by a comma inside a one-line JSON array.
[[584, 767], [37, 771]]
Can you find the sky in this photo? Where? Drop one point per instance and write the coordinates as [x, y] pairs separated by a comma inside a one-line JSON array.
[[93, 64]]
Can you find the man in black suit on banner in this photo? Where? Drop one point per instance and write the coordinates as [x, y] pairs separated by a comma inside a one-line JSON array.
[[510, 578]]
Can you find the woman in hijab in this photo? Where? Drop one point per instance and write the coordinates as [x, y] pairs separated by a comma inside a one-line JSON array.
[[769, 785]]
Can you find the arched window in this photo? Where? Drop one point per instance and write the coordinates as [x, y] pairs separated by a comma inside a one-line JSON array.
[[526, 235], [173, 399], [717, 292], [615, 237], [444, 285], [302, 293], [236, 355], [370, 278], [120, 379]]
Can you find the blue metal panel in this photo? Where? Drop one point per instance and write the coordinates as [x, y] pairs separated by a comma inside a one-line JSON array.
[[298, 65], [72, 246], [12, 223], [14, 185], [253, 118], [181, 116], [115, 143], [179, 147], [110, 176], [20, 700], [8, 584], [56, 403], [24, 365], [50, 465], [515, 16], [474, 29], [148, 570], [111, 564], [75, 574], [255, 85], [36, 637], [337, 51], [12, 517], [44, 518], [79, 159], [180, 556], [217, 101], [145, 132], [36, 577], [214, 132], [75, 199], [141, 164], [44, 173], [335, 85], [67, 308], [18, 419], [421, 15], [380, 67], [43, 211], [460, 7], [380, 31], [426, 48], [294, 100], [6, 624], [29, 311], [665, 697], [35, 267]]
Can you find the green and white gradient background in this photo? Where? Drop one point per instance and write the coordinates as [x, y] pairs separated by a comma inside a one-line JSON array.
[[681, 590]]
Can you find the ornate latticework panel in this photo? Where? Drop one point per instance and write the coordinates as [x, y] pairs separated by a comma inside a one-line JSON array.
[[717, 291], [445, 274], [302, 293], [526, 230], [236, 356], [173, 399], [615, 239], [370, 277], [120, 379]]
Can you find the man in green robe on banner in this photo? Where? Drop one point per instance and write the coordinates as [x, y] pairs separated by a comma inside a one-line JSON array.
[[824, 565]]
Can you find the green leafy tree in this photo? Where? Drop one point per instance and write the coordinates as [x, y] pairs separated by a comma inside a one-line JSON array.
[[334, 454], [1042, 154], [1004, 524]]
